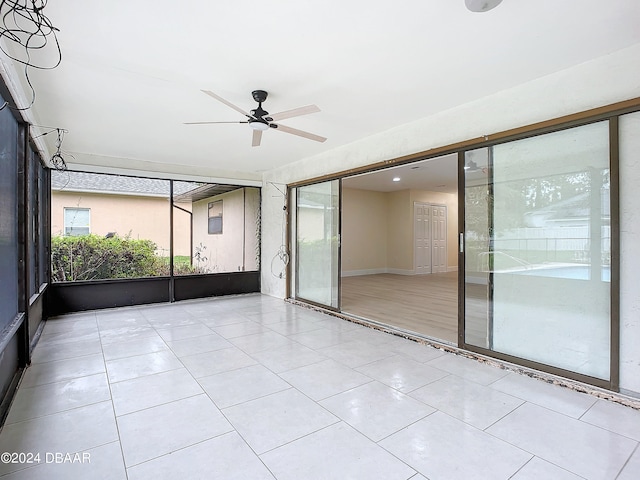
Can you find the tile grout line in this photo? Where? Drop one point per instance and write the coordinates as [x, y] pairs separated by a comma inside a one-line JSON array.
[[113, 407], [637, 449]]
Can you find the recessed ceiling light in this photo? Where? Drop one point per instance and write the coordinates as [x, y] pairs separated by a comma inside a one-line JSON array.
[[396, 179]]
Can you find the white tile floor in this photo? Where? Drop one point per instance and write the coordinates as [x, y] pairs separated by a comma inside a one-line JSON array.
[[254, 388]]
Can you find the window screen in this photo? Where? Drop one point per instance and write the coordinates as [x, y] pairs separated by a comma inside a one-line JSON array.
[[32, 221], [8, 217]]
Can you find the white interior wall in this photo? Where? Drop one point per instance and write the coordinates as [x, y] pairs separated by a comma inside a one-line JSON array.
[[608, 79]]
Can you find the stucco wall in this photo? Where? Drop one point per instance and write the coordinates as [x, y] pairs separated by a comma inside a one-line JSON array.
[[140, 217], [629, 252], [608, 79], [233, 250], [251, 228]]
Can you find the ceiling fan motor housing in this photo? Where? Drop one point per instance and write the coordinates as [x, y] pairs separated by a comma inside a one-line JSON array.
[[259, 95], [259, 114]]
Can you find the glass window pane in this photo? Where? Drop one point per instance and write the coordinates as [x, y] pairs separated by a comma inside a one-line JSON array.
[[544, 255], [77, 221], [477, 241], [317, 243], [215, 218]]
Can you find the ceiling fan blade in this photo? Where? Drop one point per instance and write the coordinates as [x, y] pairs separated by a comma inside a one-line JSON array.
[[300, 133], [209, 123], [227, 103], [296, 112], [257, 136]]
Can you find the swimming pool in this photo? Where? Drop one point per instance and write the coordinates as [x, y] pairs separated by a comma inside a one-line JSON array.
[[574, 272]]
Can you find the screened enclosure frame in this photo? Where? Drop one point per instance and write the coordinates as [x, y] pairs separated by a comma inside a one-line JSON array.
[[79, 295], [24, 246]]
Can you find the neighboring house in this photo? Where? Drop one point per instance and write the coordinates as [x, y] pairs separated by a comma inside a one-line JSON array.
[[574, 211], [225, 227], [214, 224], [563, 226], [83, 203]]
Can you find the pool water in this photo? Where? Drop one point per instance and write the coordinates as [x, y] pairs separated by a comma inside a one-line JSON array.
[[574, 272]]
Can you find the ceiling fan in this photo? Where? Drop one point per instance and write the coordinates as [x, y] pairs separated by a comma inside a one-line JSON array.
[[260, 120]]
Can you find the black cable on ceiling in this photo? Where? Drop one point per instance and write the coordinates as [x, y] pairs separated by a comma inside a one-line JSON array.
[[24, 25], [56, 159]]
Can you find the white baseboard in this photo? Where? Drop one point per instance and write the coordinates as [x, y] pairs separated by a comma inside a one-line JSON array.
[[397, 271], [377, 271], [357, 273]]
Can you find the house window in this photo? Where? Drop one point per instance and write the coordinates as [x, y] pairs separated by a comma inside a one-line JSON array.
[[77, 221], [215, 217]]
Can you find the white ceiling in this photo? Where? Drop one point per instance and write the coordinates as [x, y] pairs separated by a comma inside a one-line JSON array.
[[132, 71], [438, 174]]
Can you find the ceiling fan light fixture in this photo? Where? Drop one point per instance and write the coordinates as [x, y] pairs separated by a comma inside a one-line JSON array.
[[258, 125], [481, 5]]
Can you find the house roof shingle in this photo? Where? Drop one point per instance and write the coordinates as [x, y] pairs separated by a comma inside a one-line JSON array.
[[124, 185]]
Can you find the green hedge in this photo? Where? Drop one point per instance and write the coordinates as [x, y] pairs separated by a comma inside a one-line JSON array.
[[91, 257]]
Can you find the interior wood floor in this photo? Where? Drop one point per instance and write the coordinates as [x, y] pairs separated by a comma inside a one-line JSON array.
[[425, 304]]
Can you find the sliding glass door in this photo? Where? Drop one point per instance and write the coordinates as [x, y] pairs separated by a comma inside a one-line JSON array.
[[538, 249], [317, 238]]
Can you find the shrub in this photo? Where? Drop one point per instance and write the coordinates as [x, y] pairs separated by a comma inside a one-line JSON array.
[[91, 257]]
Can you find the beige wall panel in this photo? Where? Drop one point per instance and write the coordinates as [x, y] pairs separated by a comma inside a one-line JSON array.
[[400, 232], [364, 230]]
